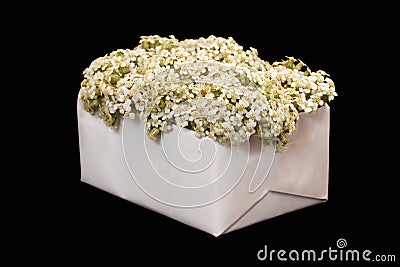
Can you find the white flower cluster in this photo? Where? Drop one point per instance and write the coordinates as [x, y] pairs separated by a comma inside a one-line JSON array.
[[209, 85]]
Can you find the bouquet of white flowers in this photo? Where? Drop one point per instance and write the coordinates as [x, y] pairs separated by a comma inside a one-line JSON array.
[[209, 85]]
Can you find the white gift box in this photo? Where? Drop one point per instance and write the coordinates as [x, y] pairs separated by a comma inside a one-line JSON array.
[[214, 187]]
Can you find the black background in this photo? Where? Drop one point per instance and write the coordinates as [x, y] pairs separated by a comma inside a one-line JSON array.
[[78, 222]]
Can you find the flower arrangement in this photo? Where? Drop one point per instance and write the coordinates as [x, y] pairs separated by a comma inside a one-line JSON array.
[[209, 85]]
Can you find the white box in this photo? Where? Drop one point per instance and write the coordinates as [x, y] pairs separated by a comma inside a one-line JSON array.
[[210, 186]]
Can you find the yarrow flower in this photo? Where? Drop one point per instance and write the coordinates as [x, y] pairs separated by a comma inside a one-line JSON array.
[[209, 85]]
